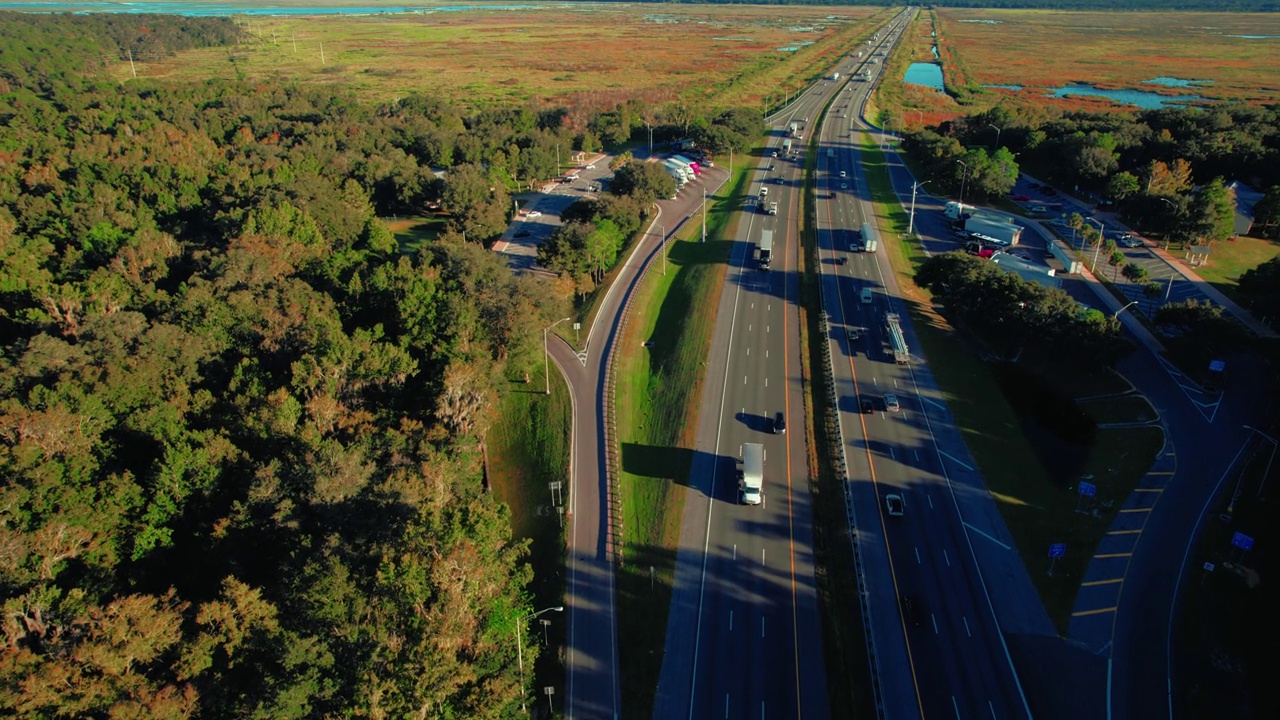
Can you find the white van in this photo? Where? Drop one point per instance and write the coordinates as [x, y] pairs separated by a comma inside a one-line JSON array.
[[866, 296]]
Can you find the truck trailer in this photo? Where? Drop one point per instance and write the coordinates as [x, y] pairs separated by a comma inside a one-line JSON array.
[[794, 129], [751, 480], [693, 164], [766, 248], [897, 341], [994, 232], [870, 238], [786, 146], [956, 212], [835, 76]]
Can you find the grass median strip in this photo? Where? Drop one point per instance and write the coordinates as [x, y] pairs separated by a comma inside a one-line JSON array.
[[660, 368]]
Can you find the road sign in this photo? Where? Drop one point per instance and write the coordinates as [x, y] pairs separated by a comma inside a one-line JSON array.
[[1087, 489], [1242, 541], [1057, 550]]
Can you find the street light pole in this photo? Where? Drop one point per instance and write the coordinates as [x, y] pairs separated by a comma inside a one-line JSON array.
[[546, 354], [1102, 234], [963, 176], [704, 214], [520, 646], [663, 239], [1274, 445], [997, 145], [911, 223], [1126, 307]]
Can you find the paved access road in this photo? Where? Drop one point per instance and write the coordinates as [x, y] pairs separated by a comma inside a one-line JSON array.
[[744, 635], [591, 656]]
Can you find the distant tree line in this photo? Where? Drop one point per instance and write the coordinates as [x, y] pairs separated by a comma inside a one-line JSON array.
[[1167, 171]]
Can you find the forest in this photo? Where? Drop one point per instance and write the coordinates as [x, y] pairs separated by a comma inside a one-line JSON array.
[[1167, 171], [240, 433]]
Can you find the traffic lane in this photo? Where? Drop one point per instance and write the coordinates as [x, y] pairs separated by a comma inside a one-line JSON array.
[[885, 631], [1142, 616], [940, 567]]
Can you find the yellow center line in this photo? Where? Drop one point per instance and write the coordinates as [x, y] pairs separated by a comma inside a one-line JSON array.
[[1099, 611]]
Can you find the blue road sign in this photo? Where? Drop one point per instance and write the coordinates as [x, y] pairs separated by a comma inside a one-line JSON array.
[[1087, 489], [1057, 550], [1242, 541]]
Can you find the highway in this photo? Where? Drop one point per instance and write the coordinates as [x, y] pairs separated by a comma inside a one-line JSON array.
[[744, 634], [938, 648]]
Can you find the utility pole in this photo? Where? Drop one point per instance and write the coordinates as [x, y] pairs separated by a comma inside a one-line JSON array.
[[322, 52], [704, 214], [663, 239], [132, 69], [911, 223]]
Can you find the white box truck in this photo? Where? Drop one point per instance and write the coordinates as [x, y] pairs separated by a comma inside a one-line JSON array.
[[751, 480], [766, 248]]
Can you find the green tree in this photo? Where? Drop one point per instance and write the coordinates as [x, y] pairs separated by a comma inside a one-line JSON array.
[[1115, 260], [1266, 214], [1122, 186], [1260, 289], [1134, 272]]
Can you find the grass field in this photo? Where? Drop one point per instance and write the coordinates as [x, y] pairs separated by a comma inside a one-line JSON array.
[[590, 55], [528, 448], [1232, 258], [1042, 49]]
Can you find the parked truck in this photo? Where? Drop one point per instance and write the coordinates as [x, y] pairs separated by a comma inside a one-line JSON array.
[[994, 232], [957, 212], [870, 239], [766, 248], [751, 480], [693, 164], [681, 173]]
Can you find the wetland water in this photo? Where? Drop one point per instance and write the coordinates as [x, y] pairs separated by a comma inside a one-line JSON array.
[[925, 74]]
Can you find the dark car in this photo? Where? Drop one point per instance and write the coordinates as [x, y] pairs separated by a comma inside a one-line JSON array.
[[779, 424], [868, 406], [912, 610]]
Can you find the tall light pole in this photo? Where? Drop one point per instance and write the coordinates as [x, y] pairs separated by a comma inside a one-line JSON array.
[[963, 176], [997, 145], [520, 646], [1274, 446], [663, 239], [1102, 234], [704, 214], [1126, 307], [650, 138], [911, 223], [546, 354]]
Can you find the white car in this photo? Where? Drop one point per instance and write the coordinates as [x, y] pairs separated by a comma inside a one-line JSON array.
[[891, 403], [591, 167], [534, 214]]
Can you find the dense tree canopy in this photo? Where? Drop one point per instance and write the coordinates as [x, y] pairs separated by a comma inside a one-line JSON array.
[[239, 433]]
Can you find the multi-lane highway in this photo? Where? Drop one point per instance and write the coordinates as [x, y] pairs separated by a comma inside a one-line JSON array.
[[744, 637], [937, 646]]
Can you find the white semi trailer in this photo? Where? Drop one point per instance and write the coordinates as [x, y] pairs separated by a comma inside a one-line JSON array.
[[751, 481]]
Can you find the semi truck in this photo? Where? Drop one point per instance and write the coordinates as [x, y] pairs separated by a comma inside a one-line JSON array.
[[794, 129], [835, 76], [991, 231], [751, 480], [693, 164], [870, 239], [681, 173], [897, 341], [786, 146], [766, 248], [955, 212]]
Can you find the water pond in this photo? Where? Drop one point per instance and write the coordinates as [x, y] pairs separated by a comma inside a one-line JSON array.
[[1140, 98], [924, 74]]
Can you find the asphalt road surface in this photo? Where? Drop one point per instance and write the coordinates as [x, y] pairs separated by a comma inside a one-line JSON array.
[[744, 634]]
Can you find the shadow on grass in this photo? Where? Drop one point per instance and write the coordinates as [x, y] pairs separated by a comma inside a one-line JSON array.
[[662, 464], [643, 585]]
